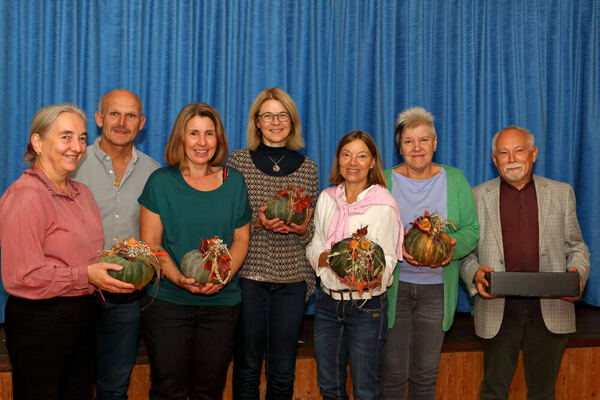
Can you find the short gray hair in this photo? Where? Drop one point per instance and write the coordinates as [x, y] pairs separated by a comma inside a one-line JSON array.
[[530, 137], [44, 118], [411, 118]]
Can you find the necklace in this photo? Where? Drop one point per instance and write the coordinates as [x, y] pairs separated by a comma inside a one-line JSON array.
[[118, 180], [276, 167]]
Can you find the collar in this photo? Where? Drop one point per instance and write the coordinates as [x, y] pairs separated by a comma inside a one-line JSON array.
[[36, 173], [273, 151], [373, 195], [101, 155], [503, 182], [341, 192]]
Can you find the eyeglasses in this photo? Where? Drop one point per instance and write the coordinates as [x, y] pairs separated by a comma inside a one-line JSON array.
[[268, 117]]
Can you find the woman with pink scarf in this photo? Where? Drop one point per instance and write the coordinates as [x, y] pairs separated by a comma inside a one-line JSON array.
[[350, 324]]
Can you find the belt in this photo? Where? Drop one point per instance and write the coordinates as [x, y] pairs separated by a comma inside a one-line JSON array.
[[346, 294]]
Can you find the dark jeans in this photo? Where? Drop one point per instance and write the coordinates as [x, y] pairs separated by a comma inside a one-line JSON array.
[[189, 348], [355, 331], [117, 329], [413, 346], [270, 319], [51, 346], [522, 328]]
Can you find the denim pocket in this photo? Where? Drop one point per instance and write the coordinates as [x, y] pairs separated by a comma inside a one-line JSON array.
[[376, 304], [376, 309]]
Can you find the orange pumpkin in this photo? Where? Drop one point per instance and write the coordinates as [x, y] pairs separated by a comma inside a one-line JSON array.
[[427, 242]]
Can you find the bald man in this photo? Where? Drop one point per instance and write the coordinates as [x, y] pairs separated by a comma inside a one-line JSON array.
[[116, 173]]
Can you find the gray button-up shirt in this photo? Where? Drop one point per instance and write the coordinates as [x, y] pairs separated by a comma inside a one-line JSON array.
[[118, 204]]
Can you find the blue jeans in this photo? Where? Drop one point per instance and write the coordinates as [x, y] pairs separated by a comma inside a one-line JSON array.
[[355, 331], [412, 351], [118, 329], [270, 319]]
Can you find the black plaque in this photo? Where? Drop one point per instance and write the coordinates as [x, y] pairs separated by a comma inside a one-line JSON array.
[[533, 284]]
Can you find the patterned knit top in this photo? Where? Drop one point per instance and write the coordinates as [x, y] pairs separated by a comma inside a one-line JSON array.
[[272, 256]]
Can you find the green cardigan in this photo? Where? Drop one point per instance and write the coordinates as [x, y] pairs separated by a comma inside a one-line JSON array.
[[463, 214]]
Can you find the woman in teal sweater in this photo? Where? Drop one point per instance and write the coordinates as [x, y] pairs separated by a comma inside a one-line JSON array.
[[422, 298], [189, 325]]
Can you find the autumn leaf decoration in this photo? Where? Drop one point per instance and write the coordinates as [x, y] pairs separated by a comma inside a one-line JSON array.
[[358, 261], [217, 259], [135, 250], [289, 205], [297, 197], [432, 224], [140, 263]]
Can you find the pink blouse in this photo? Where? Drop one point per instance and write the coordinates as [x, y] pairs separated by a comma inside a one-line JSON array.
[[48, 239]]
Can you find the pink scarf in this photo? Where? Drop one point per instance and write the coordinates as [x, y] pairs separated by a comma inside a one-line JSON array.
[[339, 226]]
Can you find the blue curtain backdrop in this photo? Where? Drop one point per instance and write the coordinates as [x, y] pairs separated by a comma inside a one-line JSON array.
[[476, 65]]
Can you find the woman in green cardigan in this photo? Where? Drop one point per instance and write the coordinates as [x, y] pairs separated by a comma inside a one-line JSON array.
[[423, 298]]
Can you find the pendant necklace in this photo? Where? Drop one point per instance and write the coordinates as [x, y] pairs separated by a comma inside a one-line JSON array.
[[117, 181], [276, 167]]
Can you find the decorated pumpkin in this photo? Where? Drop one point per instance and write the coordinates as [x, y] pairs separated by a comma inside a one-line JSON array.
[[210, 263], [289, 205], [427, 242], [139, 262], [357, 259]]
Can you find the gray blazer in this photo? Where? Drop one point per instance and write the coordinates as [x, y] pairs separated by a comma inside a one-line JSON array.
[[561, 246]]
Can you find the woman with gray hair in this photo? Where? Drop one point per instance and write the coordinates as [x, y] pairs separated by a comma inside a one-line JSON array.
[[422, 298], [50, 234]]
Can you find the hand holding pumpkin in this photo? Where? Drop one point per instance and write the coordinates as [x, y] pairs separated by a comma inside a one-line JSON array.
[[324, 258], [427, 243], [409, 258], [209, 267], [299, 229], [138, 260], [274, 224], [99, 277], [192, 286], [287, 211], [358, 261], [210, 288], [449, 258]]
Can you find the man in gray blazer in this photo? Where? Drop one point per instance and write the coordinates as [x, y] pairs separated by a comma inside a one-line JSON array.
[[527, 223]]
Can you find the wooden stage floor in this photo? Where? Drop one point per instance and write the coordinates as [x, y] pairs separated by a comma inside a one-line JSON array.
[[460, 373]]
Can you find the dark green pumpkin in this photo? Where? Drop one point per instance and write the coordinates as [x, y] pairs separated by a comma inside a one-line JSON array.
[[135, 272], [193, 265], [425, 249], [280, 206], [341, 263]]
